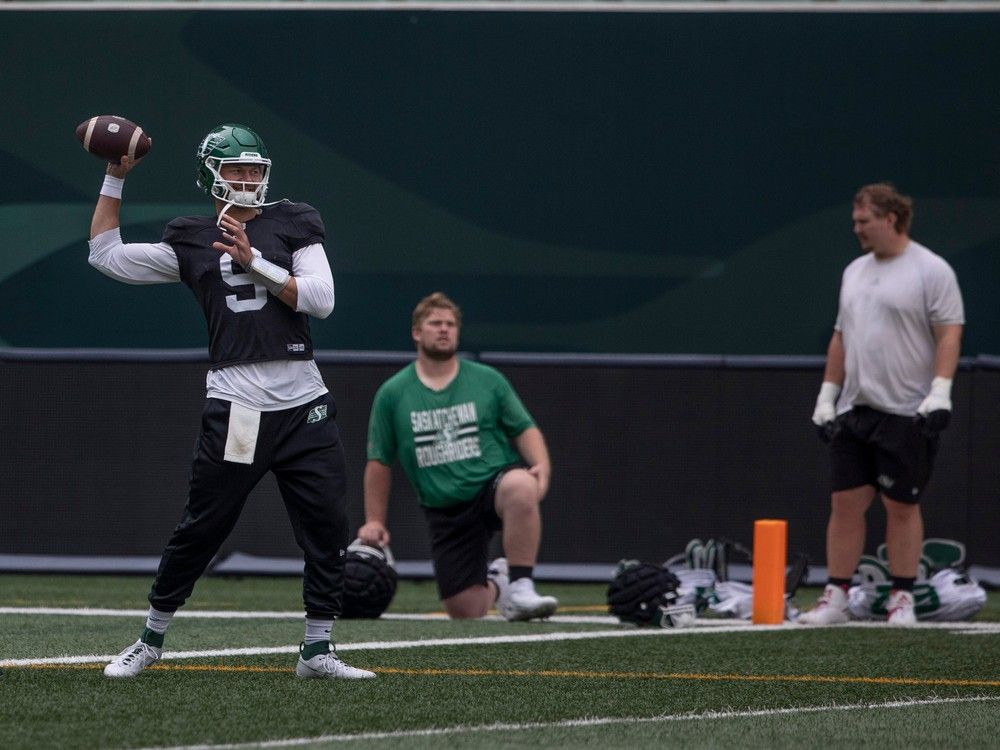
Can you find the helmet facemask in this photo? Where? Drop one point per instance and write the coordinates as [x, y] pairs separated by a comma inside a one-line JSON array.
[[247, 194]]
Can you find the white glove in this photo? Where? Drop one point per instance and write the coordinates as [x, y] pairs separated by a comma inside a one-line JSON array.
[[826, 404], [939, 399], [936, 408]]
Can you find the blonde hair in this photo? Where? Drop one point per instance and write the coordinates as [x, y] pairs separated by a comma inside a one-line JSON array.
[[885, 199], [435, 301]]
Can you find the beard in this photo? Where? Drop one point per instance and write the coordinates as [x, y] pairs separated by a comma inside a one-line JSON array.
[[438, 354]]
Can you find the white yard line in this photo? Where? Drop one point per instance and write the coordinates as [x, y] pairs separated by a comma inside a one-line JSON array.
[[588, 722], [262, 615], [376, 645], [97, 612], [703, 627], [701, 624]]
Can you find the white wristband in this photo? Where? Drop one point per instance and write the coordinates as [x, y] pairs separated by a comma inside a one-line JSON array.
[[112, 186], [273, 277]]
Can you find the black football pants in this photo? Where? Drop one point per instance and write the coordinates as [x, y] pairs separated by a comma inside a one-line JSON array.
[[307, 459]]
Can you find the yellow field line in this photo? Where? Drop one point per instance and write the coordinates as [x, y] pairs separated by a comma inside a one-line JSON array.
[[691, 676], [835, 679]]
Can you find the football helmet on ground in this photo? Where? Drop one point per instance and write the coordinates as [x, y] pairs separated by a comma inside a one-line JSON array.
[[370, 581], [646, 594]]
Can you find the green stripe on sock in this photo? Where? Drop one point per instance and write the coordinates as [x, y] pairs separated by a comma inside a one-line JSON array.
[[309, 650], [152, 638]]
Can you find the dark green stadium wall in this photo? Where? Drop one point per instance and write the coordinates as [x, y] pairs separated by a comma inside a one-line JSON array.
[[645, 457], [601, 182]]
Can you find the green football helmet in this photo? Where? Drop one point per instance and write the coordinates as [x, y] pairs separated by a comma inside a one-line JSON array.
[[233, 144]]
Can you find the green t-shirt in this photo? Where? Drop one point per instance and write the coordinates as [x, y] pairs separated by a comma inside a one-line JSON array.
[[450, 442]]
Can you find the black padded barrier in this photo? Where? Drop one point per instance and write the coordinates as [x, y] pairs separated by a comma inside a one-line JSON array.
[[648, 452]]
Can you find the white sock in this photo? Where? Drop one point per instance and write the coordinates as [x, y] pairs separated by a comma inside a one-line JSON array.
[[318, 631], [158, 621]]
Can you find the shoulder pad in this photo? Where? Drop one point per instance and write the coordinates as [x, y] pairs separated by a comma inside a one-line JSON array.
[[186, 225], [305, 224]]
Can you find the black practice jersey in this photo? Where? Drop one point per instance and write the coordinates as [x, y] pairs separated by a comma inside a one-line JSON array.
[[245, 322]]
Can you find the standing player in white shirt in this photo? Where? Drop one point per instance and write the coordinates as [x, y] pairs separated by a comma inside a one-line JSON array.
[[891, 361]]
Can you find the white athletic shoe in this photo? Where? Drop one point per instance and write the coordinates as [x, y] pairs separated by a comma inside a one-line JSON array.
[[520, 601], [133, 660], [499, 574], [329, 666], [831, 609], [901, 611]]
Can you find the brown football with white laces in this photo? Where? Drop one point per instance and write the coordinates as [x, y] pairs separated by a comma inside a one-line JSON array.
[[111, 137]]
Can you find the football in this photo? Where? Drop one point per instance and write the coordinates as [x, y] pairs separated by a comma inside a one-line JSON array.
[[111, 137]]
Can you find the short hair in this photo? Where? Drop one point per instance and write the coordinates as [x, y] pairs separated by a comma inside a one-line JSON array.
[[435, 301], [885, 199]]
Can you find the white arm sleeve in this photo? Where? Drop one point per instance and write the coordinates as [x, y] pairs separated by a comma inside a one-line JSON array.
[[134, 263], [313, 280]]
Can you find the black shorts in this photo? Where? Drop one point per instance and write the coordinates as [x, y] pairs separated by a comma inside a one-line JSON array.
[[888, 451], [460, 539]]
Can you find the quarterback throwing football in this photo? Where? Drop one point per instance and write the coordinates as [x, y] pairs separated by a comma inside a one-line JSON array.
[[258, 270]]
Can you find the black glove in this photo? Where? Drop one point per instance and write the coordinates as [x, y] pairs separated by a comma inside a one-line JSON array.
[[934, 422], [934, 411], [827, 430], [825, 415]]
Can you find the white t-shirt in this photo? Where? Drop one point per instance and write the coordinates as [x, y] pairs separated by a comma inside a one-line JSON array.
[[887, 310]]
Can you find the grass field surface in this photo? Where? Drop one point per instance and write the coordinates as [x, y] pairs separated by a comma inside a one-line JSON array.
[[577, 680]]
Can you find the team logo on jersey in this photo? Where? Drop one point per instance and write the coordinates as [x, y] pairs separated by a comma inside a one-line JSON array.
[[316, 414], [443, 436]]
